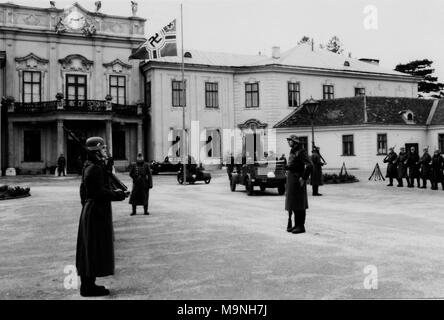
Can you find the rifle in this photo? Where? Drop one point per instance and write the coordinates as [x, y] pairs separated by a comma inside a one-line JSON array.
[[115, 183]]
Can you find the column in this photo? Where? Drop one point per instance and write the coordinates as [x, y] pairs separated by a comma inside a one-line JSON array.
[[60, 137], [139, 138], [10, 171], [109, 135]]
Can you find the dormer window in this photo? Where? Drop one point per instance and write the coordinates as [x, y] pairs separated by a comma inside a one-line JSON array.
[[346, 64], [187, 55], [408, 116]]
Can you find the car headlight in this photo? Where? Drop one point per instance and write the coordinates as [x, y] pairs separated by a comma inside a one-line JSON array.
[[271, 175]]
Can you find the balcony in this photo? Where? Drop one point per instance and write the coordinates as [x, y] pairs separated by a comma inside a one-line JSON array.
[[86, 106]]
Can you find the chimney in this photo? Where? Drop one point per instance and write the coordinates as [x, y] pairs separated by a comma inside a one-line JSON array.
[[371, 61], [276, 52]]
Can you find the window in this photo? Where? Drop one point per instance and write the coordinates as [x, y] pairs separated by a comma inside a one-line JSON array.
[[359, 92], [304, 142], [347, 145], [211, 95], [329, 92], [252, 95], [294, 94], [441, 142], [117, 89], [148, 94], [179, 94], [119, 145], [76, 87], [213, 143], [382, 143], [31, 146], [32, 86]]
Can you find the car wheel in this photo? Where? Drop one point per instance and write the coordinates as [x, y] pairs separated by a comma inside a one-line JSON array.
[[207, 181], [180, 179], [232, 185], [281, 189], [263, 188]]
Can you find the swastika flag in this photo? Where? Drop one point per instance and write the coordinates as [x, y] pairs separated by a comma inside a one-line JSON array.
[[161, 44]]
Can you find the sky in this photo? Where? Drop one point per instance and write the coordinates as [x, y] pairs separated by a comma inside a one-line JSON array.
[[400, 31]]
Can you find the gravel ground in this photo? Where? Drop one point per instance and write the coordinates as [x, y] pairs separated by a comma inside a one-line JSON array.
[[206, 242]]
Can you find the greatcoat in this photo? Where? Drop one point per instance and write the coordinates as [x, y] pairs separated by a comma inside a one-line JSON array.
[[391, 165], [95, 248], [142, 183], [316, 175], [299, 166]]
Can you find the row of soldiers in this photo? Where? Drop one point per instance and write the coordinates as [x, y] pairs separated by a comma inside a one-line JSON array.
[[410, 166]]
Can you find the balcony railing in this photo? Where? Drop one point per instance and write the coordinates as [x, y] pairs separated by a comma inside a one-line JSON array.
[[85, 106]]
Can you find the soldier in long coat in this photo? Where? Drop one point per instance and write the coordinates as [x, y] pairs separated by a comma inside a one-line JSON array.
[[401, 167], [392, 172], [412, 164], [437, 166], [142, 183], [317, 178], [95, 248], [424, 163], [299, 169]]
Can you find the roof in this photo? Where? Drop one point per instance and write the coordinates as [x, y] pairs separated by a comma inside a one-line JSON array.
[[301, 56], [438, 117], [354, 111]]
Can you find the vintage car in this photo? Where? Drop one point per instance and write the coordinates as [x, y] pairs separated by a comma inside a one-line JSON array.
[[165, 166], [265, 174], [194, 173]]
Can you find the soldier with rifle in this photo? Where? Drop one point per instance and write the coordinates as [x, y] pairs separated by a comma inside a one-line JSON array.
[[437, 165], [317, 178], [95, 239], [391, 166], [412, 165], [401, 166], [424, 163]]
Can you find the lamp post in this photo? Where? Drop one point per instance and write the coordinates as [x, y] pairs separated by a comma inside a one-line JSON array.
[[311, 106]]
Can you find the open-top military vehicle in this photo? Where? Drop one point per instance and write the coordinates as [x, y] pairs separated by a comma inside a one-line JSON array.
[[265, 174]]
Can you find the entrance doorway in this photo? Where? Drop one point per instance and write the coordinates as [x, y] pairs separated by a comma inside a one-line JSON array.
[[252, 147]]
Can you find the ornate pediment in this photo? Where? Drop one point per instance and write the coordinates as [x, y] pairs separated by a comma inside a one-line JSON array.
[[75, 18], [117, 66], [76, 62], [31, 61], [252, 124]]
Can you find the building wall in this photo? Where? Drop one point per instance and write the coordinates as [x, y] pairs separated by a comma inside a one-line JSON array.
[[432, 137], [365, 143], [273, 92]]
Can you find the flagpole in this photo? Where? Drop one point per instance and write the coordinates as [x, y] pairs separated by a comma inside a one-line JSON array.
[[183, 102]]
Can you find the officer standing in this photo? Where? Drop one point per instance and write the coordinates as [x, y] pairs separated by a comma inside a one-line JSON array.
[[316, 175], [425, 167], [413, 168], [401, 166], [391, 166], [142, 183], [299, 169], [95, 249]]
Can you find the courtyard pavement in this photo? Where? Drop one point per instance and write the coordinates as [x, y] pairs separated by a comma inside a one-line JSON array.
[[206, 242]]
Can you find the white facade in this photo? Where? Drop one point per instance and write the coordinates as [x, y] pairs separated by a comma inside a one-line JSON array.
[[232, 73]]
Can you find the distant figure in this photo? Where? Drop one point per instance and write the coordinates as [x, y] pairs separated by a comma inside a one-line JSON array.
[[437, 165], [142, 183], [61, 163], [134, 8], [79, 163], [413, 168], [390, 159], [425, 167], [316, 174], [401, 166], [52, 3]]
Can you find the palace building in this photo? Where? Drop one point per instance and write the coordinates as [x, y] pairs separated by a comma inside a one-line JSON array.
[[70, 67]]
